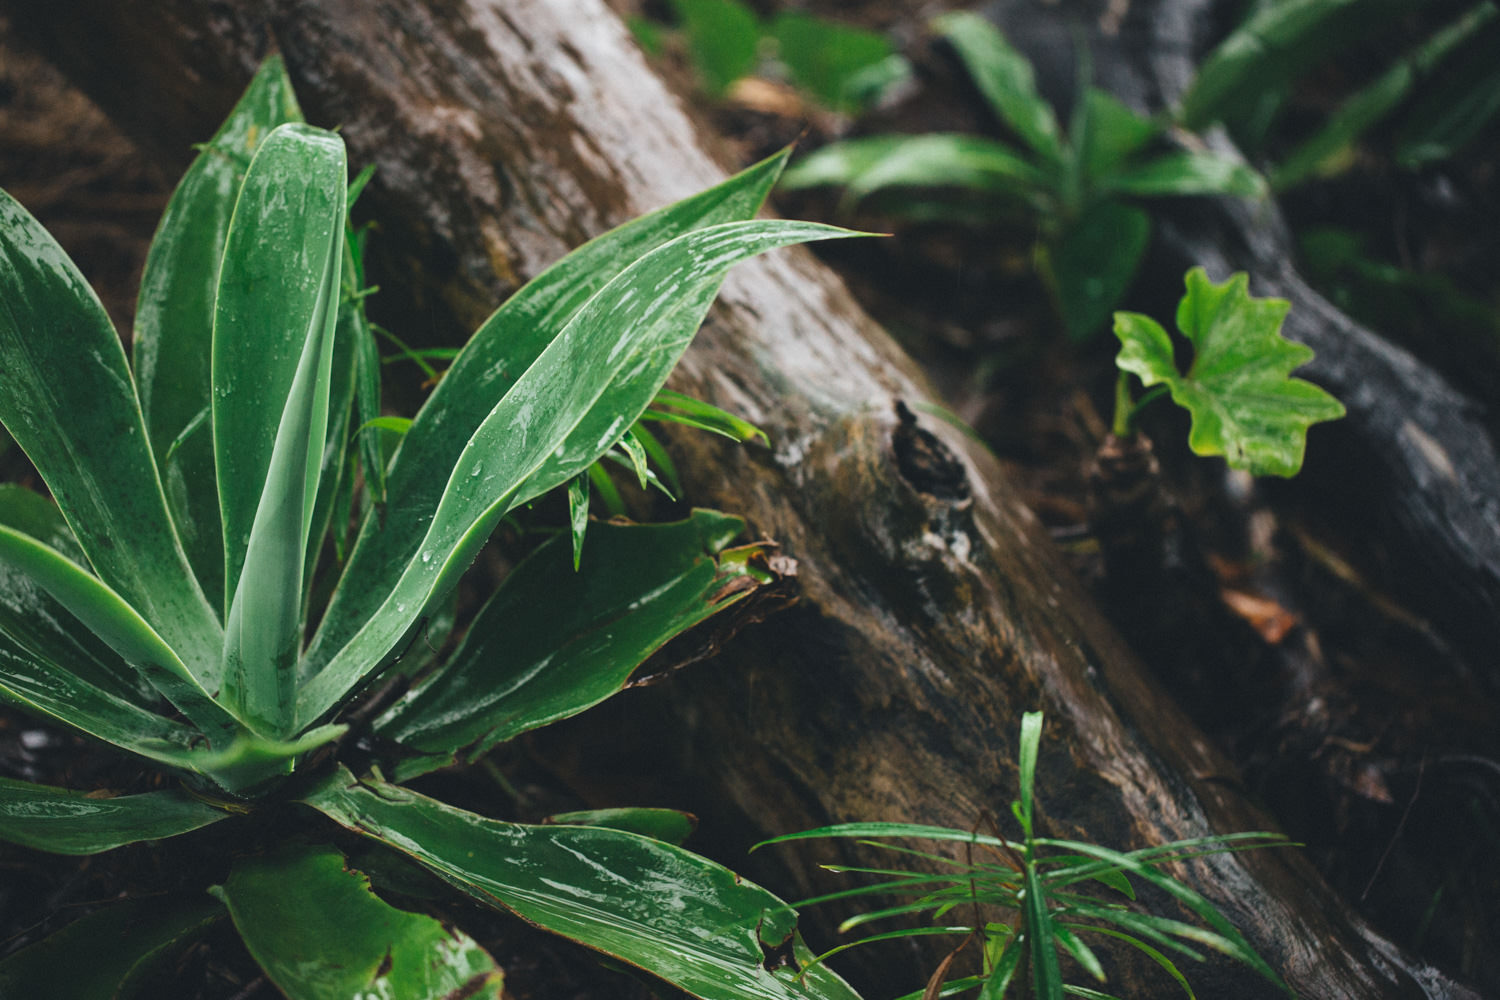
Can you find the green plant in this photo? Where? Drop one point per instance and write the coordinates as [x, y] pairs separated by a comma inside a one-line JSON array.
[[1238, 389], [165, 603], [1439, 94], [842, 67], [1076, 189], [1051, 890]]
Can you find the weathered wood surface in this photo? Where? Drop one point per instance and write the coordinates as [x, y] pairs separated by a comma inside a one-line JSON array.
[[933, 609]]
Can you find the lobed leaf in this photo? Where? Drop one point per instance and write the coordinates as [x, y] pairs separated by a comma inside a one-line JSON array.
[[175, 314], [67, 398], [66, 822], [658, 907], [1244, 404], [319, 933]]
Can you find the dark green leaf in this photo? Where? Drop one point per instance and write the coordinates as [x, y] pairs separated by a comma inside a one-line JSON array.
[[105, 614], [495, 357], [1113, 133], [572, 405], [274, 325], [1094, 264], [175, 313], [65, 822], [321, 934], [1455, 109], [109, 954], [670, 825], [1004, 77], [67, 398], [676, 915], [1244, 404], [645, 584]]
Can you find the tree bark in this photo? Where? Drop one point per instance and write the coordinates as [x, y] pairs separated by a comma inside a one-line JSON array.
[[933, 610]]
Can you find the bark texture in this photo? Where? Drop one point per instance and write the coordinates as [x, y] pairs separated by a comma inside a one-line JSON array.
[[933, 609]]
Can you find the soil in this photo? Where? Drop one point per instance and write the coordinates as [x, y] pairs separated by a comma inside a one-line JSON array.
[[1340, 705]]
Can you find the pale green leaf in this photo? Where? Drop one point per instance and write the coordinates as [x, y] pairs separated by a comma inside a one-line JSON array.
[[1238, 389]]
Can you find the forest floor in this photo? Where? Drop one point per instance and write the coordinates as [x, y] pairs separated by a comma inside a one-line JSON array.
[[1392, 779]]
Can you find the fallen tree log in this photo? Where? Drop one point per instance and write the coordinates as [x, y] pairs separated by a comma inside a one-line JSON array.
[[933, 609]]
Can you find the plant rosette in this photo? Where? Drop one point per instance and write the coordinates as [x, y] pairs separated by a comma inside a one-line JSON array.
[[162, 604]]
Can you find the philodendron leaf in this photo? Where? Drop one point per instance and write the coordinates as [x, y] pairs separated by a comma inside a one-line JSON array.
[[498, 354], [109, 954], [655, 906], [66, 822], [175, 315], [320, 934], [1244, 404], [274, 327], [644, 584], [574, 402], [67, 399]]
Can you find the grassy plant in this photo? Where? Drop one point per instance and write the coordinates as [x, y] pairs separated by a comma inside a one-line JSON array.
[[1027, 902], [1438, 95], [1238, 389], [167, 600], [1080, 188]]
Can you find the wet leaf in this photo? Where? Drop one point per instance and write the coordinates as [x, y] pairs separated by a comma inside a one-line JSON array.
[[669, 825], [503, 348], [67, 398], [174, 316], [644, 584], [320, 934], [109, 954], [676, 915], [1244, 404], [67, 822], [274, 326], [572, 405]]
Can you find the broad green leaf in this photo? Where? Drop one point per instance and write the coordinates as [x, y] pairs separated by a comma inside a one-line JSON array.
[[723, 37], [494, 358], [320, 934], [274, 325], [571, 406], [644, 584], [669, 825], [826, 58], [175, 314], [1323, 152], [67, 399], [1094, 264], [1113, 133], [115, 623], [66, 822], [110, 954], [1187, 173], [936, 160], [676, 915], [1244, 404], [1004, 77]]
